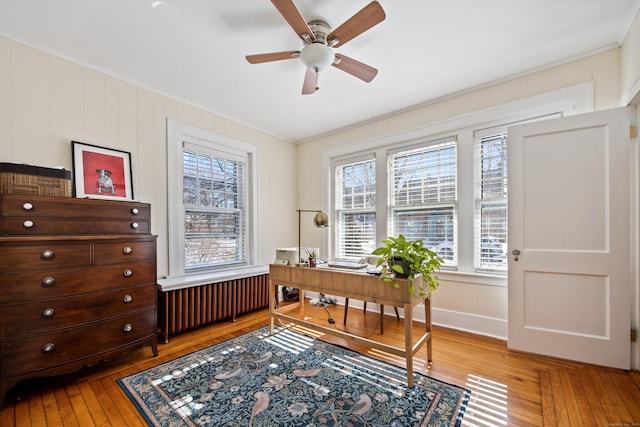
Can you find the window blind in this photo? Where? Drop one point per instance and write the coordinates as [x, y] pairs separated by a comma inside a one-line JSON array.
[[491, 203], [355, 190], [215, 201], [423, 195]]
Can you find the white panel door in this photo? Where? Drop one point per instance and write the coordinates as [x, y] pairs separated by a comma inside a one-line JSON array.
[[569, 243]]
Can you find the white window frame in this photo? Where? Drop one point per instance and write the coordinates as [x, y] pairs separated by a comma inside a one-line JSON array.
[[178, 135]]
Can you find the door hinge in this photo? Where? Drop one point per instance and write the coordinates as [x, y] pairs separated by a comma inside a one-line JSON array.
[[633, 335], [633, 132]]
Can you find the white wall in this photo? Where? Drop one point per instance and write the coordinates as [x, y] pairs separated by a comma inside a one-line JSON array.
[[46, 102], [630, 63]]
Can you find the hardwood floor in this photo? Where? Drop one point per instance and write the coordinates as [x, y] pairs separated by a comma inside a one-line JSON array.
[[508, 388]]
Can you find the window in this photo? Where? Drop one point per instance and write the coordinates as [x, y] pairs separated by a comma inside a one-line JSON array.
[[215, 203], [212, 201], [491, 202], [355, 193], [422, 193]]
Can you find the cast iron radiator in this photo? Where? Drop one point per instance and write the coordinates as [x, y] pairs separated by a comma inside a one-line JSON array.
[[188, 308]]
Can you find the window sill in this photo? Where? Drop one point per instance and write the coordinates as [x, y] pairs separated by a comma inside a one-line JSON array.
[[180, 282], [476, 278]]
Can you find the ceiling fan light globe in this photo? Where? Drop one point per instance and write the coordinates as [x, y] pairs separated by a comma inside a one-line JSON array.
[[317, 56]]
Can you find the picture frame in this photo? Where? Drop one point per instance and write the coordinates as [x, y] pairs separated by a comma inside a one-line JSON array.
[[101, 172]]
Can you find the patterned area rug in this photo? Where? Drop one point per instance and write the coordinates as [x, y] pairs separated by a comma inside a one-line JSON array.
[[289, 379]]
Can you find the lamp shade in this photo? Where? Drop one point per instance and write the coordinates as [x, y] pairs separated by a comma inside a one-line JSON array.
[[321, 220], [317, 56]]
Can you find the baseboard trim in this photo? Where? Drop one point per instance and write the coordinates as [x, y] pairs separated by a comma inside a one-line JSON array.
[[481, 325], [473, 323]]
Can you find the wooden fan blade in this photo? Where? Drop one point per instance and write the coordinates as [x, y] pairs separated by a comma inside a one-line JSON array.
[[273, 56], [369, 16], [355, 68], [310, 84], [292, 15]]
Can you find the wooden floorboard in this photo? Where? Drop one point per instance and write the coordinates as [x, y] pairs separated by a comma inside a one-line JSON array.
[[508, 388], [589, 396], [549, 416]]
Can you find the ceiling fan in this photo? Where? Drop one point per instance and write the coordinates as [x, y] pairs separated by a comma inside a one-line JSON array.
[[319, 40]]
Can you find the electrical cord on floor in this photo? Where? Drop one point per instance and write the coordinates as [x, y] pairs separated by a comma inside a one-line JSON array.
[[335, 325], [329, 319]]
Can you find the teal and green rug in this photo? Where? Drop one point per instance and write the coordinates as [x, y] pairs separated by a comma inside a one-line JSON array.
[[289, 379]]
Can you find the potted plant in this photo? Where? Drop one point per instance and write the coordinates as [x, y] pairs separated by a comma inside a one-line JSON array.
[[408, 259]]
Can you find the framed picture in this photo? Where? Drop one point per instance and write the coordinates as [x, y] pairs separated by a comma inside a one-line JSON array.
[[101, 173]]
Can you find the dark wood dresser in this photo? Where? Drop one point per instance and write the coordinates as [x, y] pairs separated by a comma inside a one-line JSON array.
[[77, 284]]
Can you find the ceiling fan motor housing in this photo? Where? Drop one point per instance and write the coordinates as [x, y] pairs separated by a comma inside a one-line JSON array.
[[317, 55]]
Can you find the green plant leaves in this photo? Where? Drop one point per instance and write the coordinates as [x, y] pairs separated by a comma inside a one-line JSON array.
[[422, 262]]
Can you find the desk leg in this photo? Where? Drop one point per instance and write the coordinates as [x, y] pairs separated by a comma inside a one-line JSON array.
[[301, 302], [273, 288], [427, 321], [408, 342]]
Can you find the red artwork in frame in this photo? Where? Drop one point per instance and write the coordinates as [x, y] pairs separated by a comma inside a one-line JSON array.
[[101, 173]]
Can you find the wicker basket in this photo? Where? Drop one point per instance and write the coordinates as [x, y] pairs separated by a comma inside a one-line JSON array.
[[34, 180]]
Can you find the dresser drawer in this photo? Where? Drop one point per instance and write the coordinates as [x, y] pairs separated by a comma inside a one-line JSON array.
[[38, 285], [71, 208], [15, 256], [41, 316], [47, 350], [31, 226], [122, 252]]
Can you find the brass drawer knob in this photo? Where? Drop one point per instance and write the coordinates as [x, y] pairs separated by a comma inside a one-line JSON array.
[[48, 312], [47, 254], [128, 327], [127, 299], [28, 224], [127, 250], [128, 272], [27, 206], [134, 225], [48, 347], [48, 282]]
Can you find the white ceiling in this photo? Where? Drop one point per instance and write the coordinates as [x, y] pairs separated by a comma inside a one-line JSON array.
[[194, 50]]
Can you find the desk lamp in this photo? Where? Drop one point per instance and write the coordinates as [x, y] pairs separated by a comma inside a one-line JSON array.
[[320, 220]]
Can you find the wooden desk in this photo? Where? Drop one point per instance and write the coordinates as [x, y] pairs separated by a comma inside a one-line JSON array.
[[350, 284]]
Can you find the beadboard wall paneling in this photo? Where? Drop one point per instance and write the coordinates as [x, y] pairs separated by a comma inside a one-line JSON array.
[[30, 104], [66, 107], [5, 99]]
